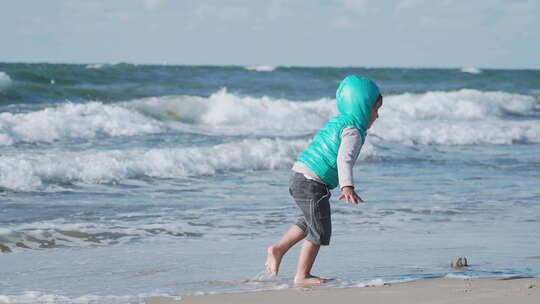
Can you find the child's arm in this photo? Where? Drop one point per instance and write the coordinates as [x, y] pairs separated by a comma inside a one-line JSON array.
[[351, 143]]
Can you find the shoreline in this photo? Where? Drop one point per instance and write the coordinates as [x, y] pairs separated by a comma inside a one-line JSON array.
[[516, 290]]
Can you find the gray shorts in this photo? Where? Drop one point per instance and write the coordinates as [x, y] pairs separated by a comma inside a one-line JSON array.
[[313, 198]]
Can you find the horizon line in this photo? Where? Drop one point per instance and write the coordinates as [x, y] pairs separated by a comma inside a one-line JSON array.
[[165, 63]]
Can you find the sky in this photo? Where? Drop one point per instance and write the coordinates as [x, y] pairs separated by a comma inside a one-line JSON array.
[[364, 33]]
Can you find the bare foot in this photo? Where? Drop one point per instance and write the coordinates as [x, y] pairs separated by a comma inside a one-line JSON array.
[[309, 280], [273, 259]]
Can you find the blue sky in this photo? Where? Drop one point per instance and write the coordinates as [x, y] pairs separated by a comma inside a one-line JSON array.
[[390, 33]]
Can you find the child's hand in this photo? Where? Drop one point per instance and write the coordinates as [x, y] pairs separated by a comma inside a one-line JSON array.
[[348, 193]]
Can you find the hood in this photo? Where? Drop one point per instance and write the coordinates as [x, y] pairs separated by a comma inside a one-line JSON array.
[[356, 96]]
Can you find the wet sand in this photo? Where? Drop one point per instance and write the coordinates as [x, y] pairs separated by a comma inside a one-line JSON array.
[[435, 291]]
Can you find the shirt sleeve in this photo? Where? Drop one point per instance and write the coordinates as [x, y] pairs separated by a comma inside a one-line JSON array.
[[351, 143]]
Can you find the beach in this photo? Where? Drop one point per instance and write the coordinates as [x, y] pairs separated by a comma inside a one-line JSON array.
[[434, 291], [121, 182]]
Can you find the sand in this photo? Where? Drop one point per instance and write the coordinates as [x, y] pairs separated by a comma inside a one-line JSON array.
[[436, 291]]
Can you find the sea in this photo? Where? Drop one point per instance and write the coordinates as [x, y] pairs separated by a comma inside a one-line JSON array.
[[120, 182]]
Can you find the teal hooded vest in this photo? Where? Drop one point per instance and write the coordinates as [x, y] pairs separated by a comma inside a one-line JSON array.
[[355, 97]]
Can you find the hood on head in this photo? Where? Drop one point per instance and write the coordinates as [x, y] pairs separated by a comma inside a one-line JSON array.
[[356, 96]]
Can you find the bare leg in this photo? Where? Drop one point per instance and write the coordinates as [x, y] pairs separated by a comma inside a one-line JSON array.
[[276, 252], [305, 263]]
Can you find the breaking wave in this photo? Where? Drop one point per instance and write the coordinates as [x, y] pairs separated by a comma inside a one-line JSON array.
[[26, 172], [471, 70], [446, 118], [70, 121], [261, 68], [227, 113], [222, 113], [5, 81], [463, 117], [95, 66], [31, 172]]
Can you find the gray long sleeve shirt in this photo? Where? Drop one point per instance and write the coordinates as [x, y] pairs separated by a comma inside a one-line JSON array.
[[351, 143]]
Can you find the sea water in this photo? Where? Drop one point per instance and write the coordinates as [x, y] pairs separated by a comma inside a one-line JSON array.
[[123, 181]]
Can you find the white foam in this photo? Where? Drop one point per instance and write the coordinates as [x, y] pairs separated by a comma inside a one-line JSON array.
[[459, 276], [458, 117], [227, 113], [372, 283], [222, 113], [469, 276], [41, 297], [261, 68], [5, 140], [95, 66], [71, 121], [5, 81], [447, 118], [471, 70], [28, 172]]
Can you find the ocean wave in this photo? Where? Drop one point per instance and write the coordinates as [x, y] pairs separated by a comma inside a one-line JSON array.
[[95, 66], [460, 105], [70, 121], [447, 118], [471, 70], [35, 172], [222, 113], [458, 118], [5, 81], [261, 68], [228, 113], [57, 234]]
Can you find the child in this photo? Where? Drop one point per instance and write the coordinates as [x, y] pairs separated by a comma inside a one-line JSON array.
[[327, 162]]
